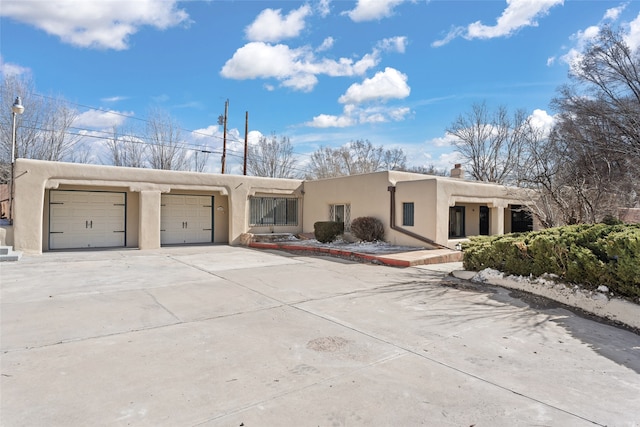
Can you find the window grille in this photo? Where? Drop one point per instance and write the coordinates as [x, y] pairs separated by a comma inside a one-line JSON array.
[[407, 214], [273, 211], [341, 213]]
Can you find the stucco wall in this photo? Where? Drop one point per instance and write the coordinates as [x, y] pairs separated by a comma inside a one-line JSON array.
[[143, 186], [367, 195], [432, 196]]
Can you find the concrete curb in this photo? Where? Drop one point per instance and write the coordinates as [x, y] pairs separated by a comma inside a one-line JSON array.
[[405, 259], [597, 303]]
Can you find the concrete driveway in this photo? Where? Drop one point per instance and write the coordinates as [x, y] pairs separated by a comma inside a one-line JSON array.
[[230, 336]]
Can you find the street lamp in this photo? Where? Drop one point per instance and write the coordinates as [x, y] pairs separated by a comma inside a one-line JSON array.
[[16, 109]]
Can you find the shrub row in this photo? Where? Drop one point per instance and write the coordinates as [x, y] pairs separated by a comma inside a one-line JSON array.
[[590, 255]]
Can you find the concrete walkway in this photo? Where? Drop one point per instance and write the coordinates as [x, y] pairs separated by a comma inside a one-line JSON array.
[[400, 259], [230, 336]]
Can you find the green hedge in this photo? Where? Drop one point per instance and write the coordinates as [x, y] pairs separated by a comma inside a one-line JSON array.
[[590, 255], [327, 231]]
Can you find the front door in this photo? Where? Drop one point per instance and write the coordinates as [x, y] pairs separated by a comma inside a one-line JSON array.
[[484, 221]]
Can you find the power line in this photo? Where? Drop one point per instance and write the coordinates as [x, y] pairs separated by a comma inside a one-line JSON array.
[[97, 134], [230, 138]]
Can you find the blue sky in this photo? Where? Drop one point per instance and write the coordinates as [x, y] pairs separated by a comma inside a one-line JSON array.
[[322, 73]]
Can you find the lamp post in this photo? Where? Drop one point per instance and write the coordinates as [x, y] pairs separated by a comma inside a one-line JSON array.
[[16, 109]]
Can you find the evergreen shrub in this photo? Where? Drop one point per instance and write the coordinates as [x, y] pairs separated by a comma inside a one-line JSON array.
[[590, 255], [327, 231], [367, 228]]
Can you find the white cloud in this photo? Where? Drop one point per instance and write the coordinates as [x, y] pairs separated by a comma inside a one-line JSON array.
[[542, 120], [8, 69], [296, 68], [443, 141], [614, 13], [386, 84], [582, 39], [324, 7], [272, 26], [393, 44], [326, 44], [551, 60], [95, 24], [446, 161], [518, 14], [353, 115], [258, 59], [632, 38], [98, 119], [114, 99], [254, 137], [369, 10], [329, 121], [209, 131], [453, 33]]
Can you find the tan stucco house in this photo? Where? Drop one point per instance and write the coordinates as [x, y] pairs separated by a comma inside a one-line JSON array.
[[73, 206]]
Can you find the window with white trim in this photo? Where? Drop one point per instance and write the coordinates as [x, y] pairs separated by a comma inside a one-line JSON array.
[[341, 213]]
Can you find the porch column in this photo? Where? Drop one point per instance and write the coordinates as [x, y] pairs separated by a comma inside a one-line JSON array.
[[149, 226], [496, 215]]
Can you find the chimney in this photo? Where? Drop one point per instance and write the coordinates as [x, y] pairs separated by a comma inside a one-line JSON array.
[[457, 171]]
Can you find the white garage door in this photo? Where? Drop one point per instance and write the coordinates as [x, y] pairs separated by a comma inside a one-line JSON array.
[[185, 219], [86, 219]]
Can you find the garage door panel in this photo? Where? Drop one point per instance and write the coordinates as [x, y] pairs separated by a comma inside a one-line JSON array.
[[186, 219], [83, 219]]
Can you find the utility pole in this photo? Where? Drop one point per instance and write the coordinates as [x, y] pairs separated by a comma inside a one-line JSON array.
[[224, 136], [246, 139]]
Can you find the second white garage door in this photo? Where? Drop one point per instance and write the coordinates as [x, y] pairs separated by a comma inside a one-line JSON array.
[[186, 219]]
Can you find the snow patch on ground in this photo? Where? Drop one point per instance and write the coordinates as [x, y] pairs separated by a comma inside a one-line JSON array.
[[601, 302], [377, 247]]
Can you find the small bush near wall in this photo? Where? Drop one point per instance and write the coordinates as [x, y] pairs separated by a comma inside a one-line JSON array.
[[367, 228], [327, 231], [590, 255]]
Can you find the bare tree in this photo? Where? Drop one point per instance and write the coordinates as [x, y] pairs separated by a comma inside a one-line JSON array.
[[357, 157], [598, 129], [490, 142], [166, 149], [124, 149], [200, 159], [427, 170], [325, 163], [606, 90], [56, 141], [44, 129], [394, 159], [271, 158]]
